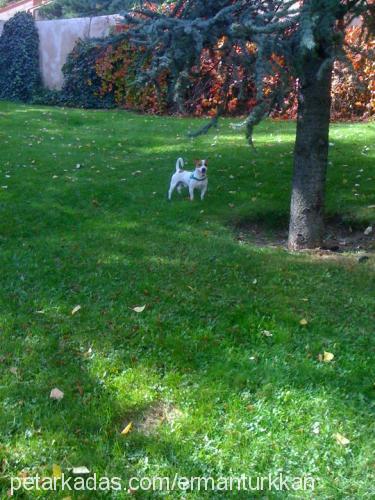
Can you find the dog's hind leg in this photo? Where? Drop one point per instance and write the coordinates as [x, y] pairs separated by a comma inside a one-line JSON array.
[[171, 189]]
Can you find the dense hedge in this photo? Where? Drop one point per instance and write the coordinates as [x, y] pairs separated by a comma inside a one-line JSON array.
[[82, 84], [19, 58]]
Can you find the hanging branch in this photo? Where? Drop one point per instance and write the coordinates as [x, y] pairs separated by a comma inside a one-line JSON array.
[[177, 36]]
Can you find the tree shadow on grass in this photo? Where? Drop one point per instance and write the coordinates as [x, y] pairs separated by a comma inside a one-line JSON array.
[[197, 301]]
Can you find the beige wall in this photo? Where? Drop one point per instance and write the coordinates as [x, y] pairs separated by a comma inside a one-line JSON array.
[[57, 39]]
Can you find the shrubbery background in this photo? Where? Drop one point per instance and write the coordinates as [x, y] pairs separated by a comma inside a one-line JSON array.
[[19, 59], [103, 73]]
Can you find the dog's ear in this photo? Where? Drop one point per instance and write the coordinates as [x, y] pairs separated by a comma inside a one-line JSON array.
[[196, 162], [205, 163]]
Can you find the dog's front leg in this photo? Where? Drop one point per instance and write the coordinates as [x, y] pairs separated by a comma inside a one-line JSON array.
[[191, 192], [203, 192]]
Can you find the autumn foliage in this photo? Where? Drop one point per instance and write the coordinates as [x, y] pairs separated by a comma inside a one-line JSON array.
[[117, 69], [210, 89], [353, 89]]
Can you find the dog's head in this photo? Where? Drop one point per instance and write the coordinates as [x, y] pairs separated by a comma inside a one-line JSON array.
[[201, 166]]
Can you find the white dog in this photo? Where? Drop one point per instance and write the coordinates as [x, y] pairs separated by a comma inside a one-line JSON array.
[[192, 180]]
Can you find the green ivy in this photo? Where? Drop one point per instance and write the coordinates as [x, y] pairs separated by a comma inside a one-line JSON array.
[[81, 82], [19, 58]]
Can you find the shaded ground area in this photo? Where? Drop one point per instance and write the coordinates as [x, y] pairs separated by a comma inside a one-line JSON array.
[[340, 236]]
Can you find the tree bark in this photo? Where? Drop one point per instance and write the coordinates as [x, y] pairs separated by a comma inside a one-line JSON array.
[[310, 155]]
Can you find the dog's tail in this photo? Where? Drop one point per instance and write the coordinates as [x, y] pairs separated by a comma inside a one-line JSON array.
[[179, 164]]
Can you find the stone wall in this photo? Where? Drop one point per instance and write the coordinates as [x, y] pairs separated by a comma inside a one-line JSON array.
[[57, 39]]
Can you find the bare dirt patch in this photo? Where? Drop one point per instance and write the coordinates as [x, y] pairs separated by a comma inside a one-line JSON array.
[[340, 236], [155, 415]]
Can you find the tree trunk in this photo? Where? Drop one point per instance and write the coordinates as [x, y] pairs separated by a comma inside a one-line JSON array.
[[310, 156]]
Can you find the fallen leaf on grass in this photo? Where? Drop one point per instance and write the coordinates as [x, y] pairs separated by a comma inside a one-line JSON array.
[[266, 333], [127, 429], [303, 322], [316, 428], [75, 309], [139, 309], [13, 370], [56, 471], [326, 357], [80, 470], [340, 439], [56, 394]]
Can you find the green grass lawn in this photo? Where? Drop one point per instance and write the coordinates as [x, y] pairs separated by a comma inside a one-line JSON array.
[[85, 221]]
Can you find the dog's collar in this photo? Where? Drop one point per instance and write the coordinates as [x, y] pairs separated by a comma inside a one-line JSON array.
[[196, 178]]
